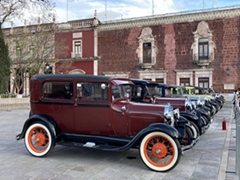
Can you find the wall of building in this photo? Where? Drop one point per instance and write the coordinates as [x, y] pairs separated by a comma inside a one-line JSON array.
[[117, 45], [87, 38], [111, 48]]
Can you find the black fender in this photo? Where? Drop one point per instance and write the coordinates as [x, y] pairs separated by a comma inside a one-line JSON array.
[[194, 118], [202, 111], [213, 103], [34, 118], [180, 125], [161, 127], [206, 108], [219, 102], [211, 107], [191, 117], [205, 114]]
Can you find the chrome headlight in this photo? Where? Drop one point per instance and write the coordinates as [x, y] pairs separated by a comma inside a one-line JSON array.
[[188, 104], [198, 101], [168, 112], [202, 103], [194, 104], [212, 97], [206, 99], [176, 113]]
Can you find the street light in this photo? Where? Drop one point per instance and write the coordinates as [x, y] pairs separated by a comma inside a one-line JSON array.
[[47, 66], [47, 69], [228, 71]]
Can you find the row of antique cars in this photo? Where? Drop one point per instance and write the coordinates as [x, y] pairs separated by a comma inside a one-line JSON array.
[[116, 114]]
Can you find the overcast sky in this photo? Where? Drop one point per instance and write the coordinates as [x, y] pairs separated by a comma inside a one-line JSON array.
[[122, 9], [107, 10]]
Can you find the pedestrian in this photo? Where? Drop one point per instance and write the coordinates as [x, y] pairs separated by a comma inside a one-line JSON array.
[[235, 96], [238, 94]]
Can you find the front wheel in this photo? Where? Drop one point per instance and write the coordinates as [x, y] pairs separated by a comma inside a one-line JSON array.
[[159, 151], [188, 136], [39, 139], [195, 130]]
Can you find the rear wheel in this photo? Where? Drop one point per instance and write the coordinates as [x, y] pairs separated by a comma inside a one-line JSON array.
[[39, 139], [159, 151]]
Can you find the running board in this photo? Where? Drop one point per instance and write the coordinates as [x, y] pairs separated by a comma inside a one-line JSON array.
[[190, 146]]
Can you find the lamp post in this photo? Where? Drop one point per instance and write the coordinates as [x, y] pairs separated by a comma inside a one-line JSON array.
[[47, 69], [228, 71]]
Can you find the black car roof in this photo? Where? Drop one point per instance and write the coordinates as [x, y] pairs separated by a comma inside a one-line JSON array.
[[163, 85], [141, 81], [41, 77]]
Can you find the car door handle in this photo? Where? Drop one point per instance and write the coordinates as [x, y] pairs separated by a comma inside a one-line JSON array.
[[123, 109]]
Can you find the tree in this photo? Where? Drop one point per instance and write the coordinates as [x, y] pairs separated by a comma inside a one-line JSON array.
[[30, 47], [4, 65], [10, 9]]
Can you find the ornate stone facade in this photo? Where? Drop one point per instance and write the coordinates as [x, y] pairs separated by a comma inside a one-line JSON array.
[[190, 47]]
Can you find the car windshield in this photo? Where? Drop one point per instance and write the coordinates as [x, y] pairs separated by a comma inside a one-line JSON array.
[[176, 91], [189, 91], [153, 90]]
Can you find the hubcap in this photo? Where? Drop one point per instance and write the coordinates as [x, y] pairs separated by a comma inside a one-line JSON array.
[[159, 150], [39, 139]]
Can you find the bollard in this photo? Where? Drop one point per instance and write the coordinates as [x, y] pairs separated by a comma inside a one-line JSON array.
[[224, 124]]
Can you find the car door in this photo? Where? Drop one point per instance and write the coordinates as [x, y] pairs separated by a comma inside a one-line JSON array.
[[92, 108], [57, 102], [119, 117]]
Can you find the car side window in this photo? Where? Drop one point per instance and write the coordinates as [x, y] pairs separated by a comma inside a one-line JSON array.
[[92, 91], [136, 92], [167, 93], [57, 90]]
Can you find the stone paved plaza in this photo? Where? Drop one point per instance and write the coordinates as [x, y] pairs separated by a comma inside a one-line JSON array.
[[208, 160]]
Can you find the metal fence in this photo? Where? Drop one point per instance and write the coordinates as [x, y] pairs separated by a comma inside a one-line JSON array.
[[237, 119], [14, 103]]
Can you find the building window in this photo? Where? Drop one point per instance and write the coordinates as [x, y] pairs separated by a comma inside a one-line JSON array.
[[146, 51], [203, 46], [203, 49], [77, 49], [184, 81], [203, 82], [159, 80]]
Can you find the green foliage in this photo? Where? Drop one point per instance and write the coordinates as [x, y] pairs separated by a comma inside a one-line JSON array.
[[4, 64], [8, 95]]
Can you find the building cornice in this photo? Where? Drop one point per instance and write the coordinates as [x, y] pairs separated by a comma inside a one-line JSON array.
[[187, 16]]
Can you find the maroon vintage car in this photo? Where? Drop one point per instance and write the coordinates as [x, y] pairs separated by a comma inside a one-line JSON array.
[[96, 112]]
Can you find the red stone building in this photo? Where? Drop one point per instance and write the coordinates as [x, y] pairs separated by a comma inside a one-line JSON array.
[[196, 48], [80, 42]]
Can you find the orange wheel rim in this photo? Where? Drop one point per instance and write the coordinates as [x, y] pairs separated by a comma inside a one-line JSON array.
[[38, 139], [186, 139], [159, 151]]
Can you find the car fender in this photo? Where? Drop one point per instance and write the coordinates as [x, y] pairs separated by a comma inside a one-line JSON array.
[[180, 125], [34, 118], [196, 119], [171, 131], [191, 117]]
